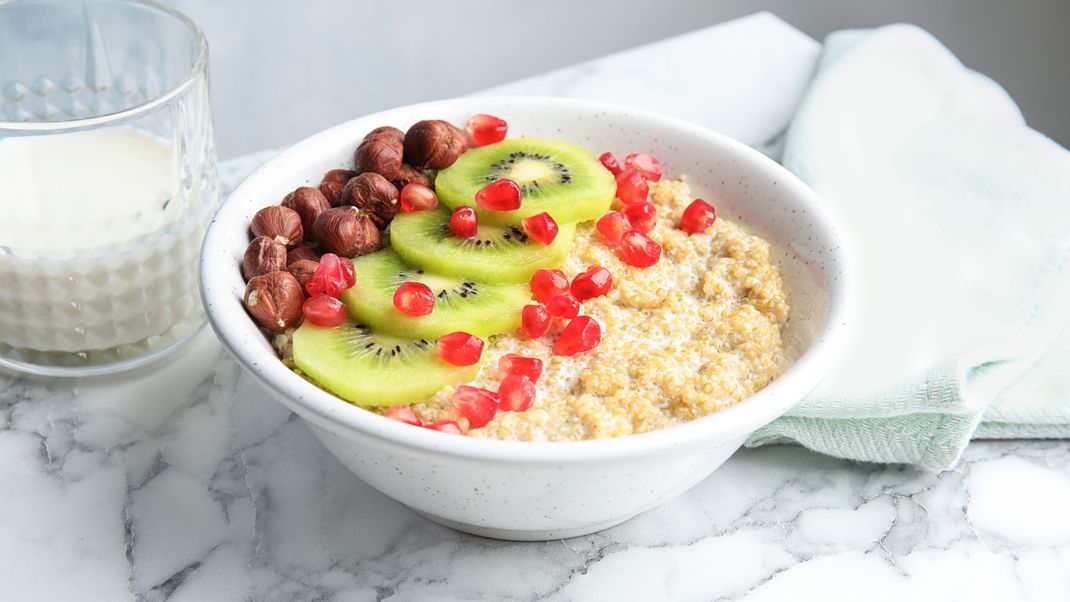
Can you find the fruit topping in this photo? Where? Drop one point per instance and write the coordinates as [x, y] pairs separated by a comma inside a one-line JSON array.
[[595, 281], [499, 195], [446, 426], [547, 284], [645, 164], [324, 311], [581, 334], [563, 306], [636, 249], [475, 404], [534, 321], [611, 227], [486, 129], [459, 349], [348, 271], [642, 216], [632, 187], [403, 414], [610, 162], [329, 278], [463, 222], [414, 299], [417, 197], [698, 216], [541, 228], [511, 363], [516, 392]]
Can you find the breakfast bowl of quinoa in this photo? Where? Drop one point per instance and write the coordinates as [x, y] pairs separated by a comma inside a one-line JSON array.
[[529, 326]]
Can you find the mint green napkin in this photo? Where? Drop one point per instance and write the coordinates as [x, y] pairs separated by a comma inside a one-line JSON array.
[[959, 215]]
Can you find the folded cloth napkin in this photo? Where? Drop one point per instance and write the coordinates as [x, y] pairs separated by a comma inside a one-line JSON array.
[[959, 216]]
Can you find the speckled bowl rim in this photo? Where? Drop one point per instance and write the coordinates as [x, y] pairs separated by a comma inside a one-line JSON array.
[[232, 325]]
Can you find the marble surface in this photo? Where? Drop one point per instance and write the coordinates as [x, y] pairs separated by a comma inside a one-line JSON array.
[[183, 481]]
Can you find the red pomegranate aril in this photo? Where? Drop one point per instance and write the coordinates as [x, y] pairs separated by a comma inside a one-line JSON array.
[[459, 348], [516, 392], [636, 249], [475, 404], [348, 271], [611, 227], [329, 278], [595, 281], [486, 129], [534, 320], [403, 414], [417, 197], [642, 216], [446, 426], [698, 216], [541, 228], [499, 195], [563, 306], [632, 187], [324, 311], [581, 334], [414, 299], [610, 162], [464, 222], [547, 284], [648, 165], [511, 363]]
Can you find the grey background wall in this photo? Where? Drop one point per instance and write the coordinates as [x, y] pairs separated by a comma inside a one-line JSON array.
[[282, 69]]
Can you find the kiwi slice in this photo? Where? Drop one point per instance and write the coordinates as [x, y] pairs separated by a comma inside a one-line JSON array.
[[372, 369], [494, 254], [480, 308], [559, 178]]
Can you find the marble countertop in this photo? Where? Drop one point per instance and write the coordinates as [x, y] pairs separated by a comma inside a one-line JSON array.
[[184, 481]]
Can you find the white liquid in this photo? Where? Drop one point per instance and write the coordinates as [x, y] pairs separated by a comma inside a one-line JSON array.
[[98, 240]]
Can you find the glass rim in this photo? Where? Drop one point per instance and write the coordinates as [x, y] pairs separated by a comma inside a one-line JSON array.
[[198, 69]]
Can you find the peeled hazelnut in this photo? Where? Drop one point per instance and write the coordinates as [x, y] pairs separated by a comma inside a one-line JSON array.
[[262, 256], [302, 269], [379, 154], [347, 232], [386, 130], [411, 175], [279, 223], [332, 183], [275, 300], [434, 144], [306, 250], [374, 195], [309, 203]]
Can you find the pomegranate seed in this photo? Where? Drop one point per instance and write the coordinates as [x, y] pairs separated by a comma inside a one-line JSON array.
[[516, 393], [645, 164], [541, 227], [324, 311], [534, 320], [417, 197], [595, 281], [547, 284], [563, 306], [581, 334], [446, 426], [511, 363], [475, 404], [499, 195], [611, 227], [463, 222], [403, 414], [638, 250], [632, 187], [642, 216], [414, 299], [329, 278], [348, 271], [610, 162], [459, 348], [486, 129], [698, 216]]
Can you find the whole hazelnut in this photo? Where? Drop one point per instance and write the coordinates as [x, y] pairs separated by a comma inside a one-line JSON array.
[[386, 130], [262, 256], [347, 232], [380, 154], [302, 269], [374, 195], [411, 175], [434, 144], [332, 183], [306, 250], [309, 203], [275, 300], [279, 223]]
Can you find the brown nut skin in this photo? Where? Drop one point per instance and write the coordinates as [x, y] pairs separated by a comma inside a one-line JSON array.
[[302, 269], [347, 232], [306, 250], [332, 183], [263, 256], [411, 175], [379, 154], [279, 223], [374, 195], [275, 300], [309, 203], [434, 144], [386, 130]]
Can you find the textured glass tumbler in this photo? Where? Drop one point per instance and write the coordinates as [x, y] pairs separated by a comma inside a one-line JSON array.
[[107, 183]]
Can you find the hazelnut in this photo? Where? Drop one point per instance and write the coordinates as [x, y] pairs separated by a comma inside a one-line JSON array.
[[279, 223], [262, 256], [302, 269], [275, 300], [309, 203], [332, 183], [347, 232], [388, 131], [411, 175], [306, 250], [434, 144], [380, 154], [374, 195]]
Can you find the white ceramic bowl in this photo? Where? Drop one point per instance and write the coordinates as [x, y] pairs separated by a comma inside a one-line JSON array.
[[535, 491]]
